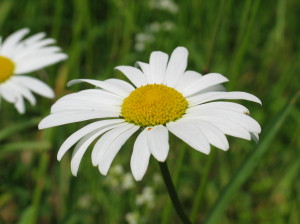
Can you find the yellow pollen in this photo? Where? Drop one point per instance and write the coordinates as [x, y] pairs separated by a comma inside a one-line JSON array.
[[7, 68], [153, 104]]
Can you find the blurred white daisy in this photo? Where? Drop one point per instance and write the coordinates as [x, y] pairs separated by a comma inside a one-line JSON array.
[[163, 97], [19, 56]]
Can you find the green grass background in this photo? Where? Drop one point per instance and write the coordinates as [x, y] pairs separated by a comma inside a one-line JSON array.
[[255, 43]]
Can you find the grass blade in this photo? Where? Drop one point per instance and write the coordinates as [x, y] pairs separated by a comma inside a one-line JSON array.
[[18, 127]]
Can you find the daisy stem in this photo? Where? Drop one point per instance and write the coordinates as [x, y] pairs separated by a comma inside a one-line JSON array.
[[172, 192]]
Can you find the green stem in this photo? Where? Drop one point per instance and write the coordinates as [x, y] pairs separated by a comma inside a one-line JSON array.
[[172, 192]]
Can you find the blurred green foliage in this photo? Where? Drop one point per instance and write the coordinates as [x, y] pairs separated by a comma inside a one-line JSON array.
[[254, 43]]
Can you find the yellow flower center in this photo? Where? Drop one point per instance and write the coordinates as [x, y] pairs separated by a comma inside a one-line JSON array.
[[153, 104], [7, 68]]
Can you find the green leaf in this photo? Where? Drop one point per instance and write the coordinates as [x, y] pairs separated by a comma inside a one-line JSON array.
[[249, 163]]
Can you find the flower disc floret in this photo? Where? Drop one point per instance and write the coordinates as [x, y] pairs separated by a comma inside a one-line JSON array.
[[153, 104], [7, 68]]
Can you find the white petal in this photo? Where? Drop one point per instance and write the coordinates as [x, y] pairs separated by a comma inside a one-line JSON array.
[[12, 41], [114, 148], [210, 96], [24, 91], [20, 106], [133, 74], [187, 79], [146, 70], [37, 62], [66, 117], [158, 142], [242, 119], [218, 105], [140, 156], [104, 85], [227, 127], [94, 95], [100, 126], [105, 141], [158, 65], [213, 134], [29, 51], [204, 82], [11, 94], [176, 66], [35, 85], [82, 146], [121, 84], [189, 133], [64, 105], [34, 38], [8, 93], [80, 149]]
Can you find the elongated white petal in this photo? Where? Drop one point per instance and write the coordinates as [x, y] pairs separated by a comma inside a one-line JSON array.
[[12, 41], [104, 85], [24, 91], [204, 82], [38, 62], [210, 96], [8, 93], [219, 105], [242, 119], [125, 86], [66, 117], [189, 133], [158, 142], [226, 126], [140, 156], [105, 141], [100, 126], [34, 38], [63, 105], [82, 146], [80, 149], [114, 148], [187, 79], [146, 70], [11, 93], [158, 65], [35, 85], [176, 66], [133, 74], [19, 104], [30, 51], [213, 134], [94, 95]]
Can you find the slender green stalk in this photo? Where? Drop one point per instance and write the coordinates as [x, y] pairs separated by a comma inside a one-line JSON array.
[[172, 192], [176, 173]]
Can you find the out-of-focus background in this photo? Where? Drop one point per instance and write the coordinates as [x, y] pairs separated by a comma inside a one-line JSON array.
[[255, 43]]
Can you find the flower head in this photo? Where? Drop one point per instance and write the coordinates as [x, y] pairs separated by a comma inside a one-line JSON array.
[[162, 98], [19, 56]]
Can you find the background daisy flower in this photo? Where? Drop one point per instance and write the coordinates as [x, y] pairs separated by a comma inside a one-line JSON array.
[[19, 56], [164, 98]]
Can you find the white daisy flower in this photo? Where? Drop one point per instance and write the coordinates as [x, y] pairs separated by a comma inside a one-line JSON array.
[[19, 56], [162, 98]]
